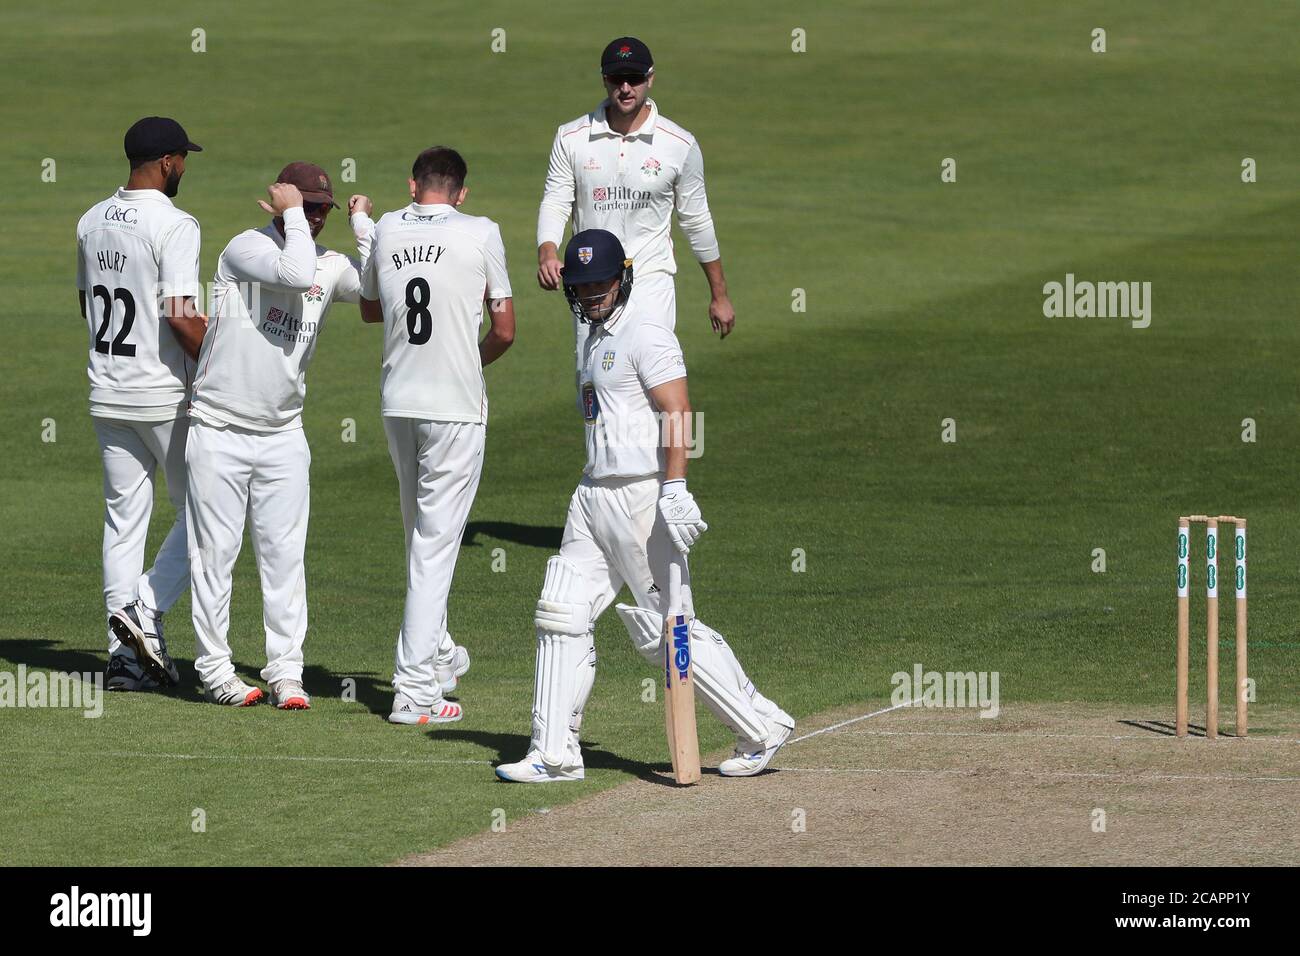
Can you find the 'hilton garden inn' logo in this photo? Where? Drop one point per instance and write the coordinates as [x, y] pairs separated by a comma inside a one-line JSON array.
[[923, 688], [1102, 300], [84, 692]]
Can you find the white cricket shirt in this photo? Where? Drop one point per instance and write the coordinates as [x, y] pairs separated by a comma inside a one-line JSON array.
[[431, 267], [628, 185], [620, 365], [135, 249], [270, 296]]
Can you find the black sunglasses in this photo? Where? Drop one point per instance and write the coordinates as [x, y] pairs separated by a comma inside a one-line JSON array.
[[313, 207], [631, 79]]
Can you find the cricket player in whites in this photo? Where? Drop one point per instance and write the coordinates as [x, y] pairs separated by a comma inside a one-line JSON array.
[[137, 281], [247, 454], [629, 518], [624, 168], [430, 272]]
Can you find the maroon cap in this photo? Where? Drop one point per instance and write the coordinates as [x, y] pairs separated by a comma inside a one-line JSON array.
[[311, 180]]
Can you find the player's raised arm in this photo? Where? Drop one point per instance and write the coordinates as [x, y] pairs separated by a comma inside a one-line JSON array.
[[372, 310], [692, 203], [288, 269], [554, 214], [349, 285]]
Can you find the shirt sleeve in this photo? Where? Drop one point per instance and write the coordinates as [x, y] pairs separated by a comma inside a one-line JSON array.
[[693, 207], [369, 271], [494, 261], [363, 229], [658, 356], [81, 266], [348, 286], [290, 269], [557, 195], [178, 261]]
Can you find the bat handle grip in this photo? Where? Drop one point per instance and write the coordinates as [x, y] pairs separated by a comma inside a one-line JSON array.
[[675, 585]]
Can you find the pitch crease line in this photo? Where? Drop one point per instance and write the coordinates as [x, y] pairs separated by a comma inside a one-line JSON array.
[[992, 771], [845, 723], [267, 757]]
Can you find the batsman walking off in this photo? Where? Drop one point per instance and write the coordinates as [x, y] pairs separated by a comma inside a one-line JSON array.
[[629, 517]]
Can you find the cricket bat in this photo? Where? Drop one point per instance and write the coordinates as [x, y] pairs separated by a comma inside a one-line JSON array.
[[679, 684]]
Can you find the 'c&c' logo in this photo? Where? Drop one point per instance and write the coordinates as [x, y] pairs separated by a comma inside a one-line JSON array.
[[1182, 545], [1209, 548], [1182, 576], [118, 214]]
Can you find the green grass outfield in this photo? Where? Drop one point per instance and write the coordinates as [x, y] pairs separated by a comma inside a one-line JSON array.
[[924, 302]]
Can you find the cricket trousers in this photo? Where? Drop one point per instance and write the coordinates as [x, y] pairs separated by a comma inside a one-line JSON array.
[[131, 452], [438, 466], [614, 535], [262, 476]]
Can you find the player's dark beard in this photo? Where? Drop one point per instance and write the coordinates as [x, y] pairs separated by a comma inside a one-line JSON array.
[[173, 184]]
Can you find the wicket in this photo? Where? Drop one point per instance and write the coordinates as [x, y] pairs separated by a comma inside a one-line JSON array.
[[1211, 623]]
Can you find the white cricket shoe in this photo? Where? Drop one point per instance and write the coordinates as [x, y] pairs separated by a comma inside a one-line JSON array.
[[407, 711], [288, 694], [234, 693], [532, 770], [449, 674], [747, 762], [142, 632]]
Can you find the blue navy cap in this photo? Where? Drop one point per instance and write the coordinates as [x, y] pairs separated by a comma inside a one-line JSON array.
[[593, 255]]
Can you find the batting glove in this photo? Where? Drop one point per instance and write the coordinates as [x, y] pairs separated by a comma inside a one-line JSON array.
[[681, 514]]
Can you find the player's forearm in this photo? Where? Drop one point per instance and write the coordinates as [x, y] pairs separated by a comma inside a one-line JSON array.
[[717, 281], [187, 324], [291, 269], [552, 217], [502, 334], [363, 230], [672, 402], [675, 462]]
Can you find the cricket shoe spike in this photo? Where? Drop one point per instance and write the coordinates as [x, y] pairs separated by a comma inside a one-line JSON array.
[[407, 711], [288, 694], [142, 632], [124, 674], [450, 673], [532, 770], [748, 763], [234, 693]]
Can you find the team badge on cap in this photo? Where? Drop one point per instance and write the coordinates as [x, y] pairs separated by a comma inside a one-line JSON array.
[[584, 254]]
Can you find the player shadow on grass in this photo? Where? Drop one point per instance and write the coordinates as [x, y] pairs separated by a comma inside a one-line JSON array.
[[535, 536], [509, 748], [40, 654], [373, 691]]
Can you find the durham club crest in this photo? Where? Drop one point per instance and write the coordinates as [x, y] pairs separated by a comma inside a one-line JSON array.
[[584, 254]]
